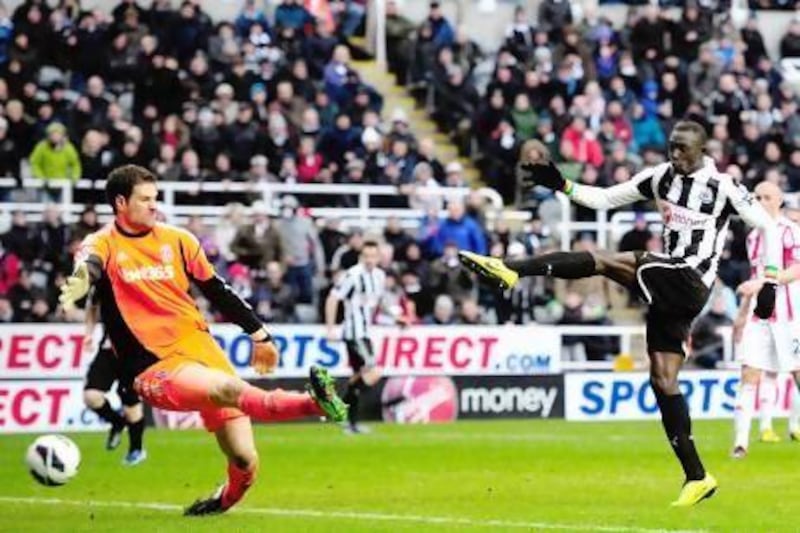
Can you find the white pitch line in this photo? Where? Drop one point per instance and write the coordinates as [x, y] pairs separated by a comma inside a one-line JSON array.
[[352, 515]]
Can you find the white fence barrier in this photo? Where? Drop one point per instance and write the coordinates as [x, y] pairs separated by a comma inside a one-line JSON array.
[[607, 229], [363, 215]]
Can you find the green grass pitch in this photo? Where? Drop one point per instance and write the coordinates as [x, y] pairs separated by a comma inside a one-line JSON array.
[[483, 476]]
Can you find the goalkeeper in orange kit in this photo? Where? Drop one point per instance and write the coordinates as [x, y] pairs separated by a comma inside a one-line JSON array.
[[164, 342]]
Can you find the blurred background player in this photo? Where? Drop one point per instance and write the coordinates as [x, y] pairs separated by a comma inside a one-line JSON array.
[[361, 288], [695, 202], [103, 372], [165, 342], [767, 347]]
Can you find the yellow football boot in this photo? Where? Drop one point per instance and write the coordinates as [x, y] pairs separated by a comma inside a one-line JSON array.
[[490, 268], [769, 435], [696, 491]]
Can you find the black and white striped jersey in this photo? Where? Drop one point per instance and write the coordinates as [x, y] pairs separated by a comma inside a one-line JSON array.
[[695, 208], [360, 290]]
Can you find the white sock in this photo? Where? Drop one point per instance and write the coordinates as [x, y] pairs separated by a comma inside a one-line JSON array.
[[743, 414], [794, 416], [767, 397]]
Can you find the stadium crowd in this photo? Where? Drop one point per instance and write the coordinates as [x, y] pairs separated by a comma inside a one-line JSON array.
[[275, 99], [603, 98], [258, 99]]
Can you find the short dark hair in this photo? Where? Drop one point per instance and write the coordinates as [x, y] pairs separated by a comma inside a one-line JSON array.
[[370, 244], [122, 180], [696, 127]]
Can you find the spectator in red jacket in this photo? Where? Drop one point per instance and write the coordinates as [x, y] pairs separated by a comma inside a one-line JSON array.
[[585, 146], [309, 161]]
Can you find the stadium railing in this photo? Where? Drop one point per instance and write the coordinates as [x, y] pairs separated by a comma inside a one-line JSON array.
[[608, 229], [363, 215]]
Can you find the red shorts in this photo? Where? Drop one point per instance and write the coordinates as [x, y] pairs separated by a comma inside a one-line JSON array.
[[180, 380]]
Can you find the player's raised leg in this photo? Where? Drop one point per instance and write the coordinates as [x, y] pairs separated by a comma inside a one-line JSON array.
[[620, 267], [222, 398], [235, 439], [275, 405], [743, 411], [190, 386], [235, 434]]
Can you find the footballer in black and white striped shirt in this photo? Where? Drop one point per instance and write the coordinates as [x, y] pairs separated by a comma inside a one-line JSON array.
[[360, 289], [696, 202]]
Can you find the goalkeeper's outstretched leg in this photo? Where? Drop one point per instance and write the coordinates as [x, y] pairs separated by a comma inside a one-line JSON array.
[[226, 403], [221, 396]]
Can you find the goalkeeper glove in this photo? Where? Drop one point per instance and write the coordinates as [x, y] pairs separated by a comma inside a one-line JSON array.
[[265, 354], [76, 287]]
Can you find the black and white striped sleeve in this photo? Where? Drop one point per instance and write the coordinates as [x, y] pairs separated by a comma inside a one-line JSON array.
[[345, 286], [640, 187]]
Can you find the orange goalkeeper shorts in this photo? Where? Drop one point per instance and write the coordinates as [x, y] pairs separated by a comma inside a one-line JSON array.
[[180, 380]]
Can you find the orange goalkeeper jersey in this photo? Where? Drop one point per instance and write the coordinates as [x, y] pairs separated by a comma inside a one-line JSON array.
[[149, 276]]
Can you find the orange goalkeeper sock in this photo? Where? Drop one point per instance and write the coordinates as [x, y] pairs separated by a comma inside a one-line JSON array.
[[239, 480], [276, 405]]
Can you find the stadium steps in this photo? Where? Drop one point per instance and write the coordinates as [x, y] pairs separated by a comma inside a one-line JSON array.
[[396, 97]]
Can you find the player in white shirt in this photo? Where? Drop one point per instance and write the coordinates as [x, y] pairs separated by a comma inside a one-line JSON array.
[[766, 347]]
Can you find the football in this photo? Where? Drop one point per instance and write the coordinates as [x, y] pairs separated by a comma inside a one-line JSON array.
[[53, 459]]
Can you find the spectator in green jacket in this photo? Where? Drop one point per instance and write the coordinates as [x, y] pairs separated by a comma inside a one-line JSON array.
[[55, 157]]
